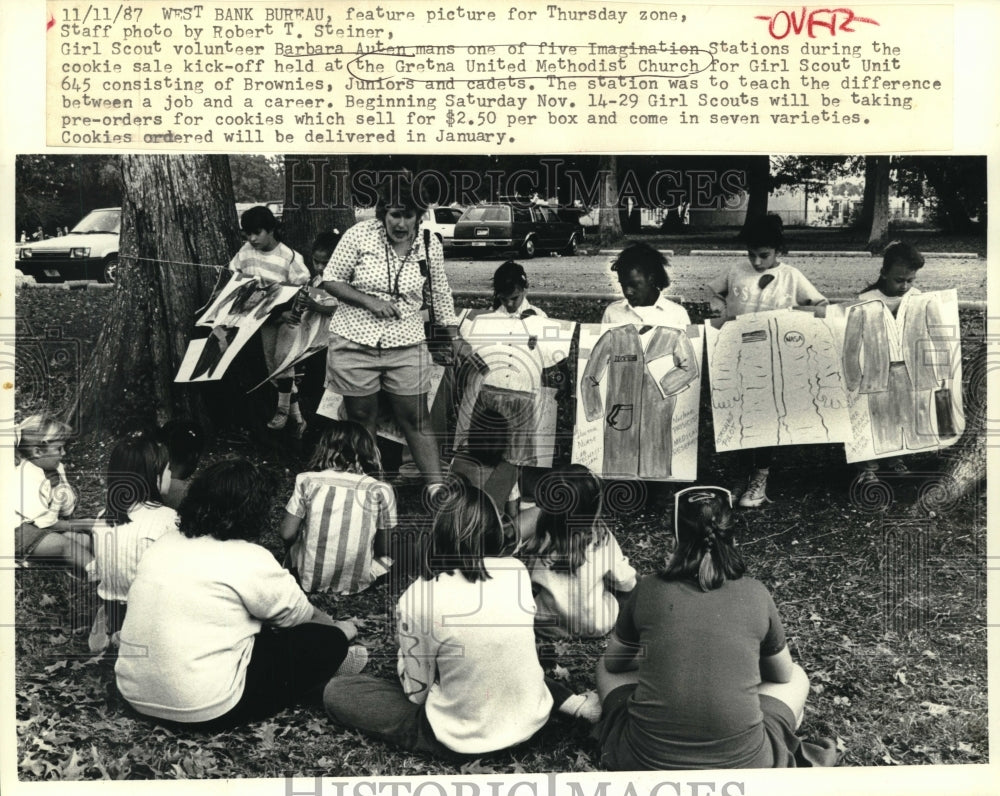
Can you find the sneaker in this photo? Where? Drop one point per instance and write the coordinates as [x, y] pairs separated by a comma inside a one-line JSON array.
[[739, 488], [354, 662], [583, 706], [279, 420], [898, 467], [755, 493], [866, 477]]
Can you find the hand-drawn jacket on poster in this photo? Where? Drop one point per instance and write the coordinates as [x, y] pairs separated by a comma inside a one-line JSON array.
[[514, 354], [776, 380], [903, 374], [630, 384]]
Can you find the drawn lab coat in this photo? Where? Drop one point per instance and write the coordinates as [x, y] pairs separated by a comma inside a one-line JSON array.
[[638, 408], [898, 361]]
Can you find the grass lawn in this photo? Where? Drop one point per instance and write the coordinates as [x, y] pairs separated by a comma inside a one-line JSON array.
[[898, 668], [926, 239]]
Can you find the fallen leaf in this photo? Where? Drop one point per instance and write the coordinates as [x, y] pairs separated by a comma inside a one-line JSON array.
[[935, 709], [560, 672]]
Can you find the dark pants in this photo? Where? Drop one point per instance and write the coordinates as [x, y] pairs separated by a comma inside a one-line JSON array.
[[287, 666], [379, 708]]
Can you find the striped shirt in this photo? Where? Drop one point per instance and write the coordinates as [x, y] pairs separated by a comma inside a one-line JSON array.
[[342, 512], [281, 264]]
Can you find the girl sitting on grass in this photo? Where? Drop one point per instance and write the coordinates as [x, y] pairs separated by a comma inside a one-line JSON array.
[[217, 634], [575, 562], [698, 674], [340, 512], [469, 679], [134, 517]]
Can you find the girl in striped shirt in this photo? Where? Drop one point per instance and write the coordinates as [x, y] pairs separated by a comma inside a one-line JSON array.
[[338, 517]]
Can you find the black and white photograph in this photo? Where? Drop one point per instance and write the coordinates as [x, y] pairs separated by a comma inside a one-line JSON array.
[[864, 579], [371, 428]]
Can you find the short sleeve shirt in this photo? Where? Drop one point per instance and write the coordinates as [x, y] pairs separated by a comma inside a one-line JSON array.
[[741, 287], [662, 312], [281, 264], [366, 261], [700, 663]]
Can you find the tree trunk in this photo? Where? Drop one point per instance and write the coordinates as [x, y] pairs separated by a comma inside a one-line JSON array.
[[758, 189], [965, 462], [177, 213], [317, 199], [879, 175], [864, 219], [609, 221]]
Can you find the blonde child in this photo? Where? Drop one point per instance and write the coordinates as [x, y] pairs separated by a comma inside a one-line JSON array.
[[46, 501], [265, 258], [760, 284], [469, 679], [575, 562], [134, 517], [338, 517]]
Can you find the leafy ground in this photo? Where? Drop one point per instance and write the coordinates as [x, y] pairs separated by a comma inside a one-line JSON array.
[[898, 666]]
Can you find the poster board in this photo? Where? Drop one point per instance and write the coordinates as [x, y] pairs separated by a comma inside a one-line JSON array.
[[903, 374], [637, 401]]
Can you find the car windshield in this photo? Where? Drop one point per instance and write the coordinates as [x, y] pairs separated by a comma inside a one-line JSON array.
[[100, 221], [489, 213], [446, 215]]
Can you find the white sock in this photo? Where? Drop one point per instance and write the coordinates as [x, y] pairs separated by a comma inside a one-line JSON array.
[[583, 706]]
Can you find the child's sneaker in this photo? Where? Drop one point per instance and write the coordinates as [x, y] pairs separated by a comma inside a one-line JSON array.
[[756, 491], [354, 662], [279, 421], [898, 467], [866, 477], [583, 706]]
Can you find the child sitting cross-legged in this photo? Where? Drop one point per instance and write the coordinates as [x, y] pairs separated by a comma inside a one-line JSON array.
[[698, 674], [340, 512], [469, 678], [134, 517]]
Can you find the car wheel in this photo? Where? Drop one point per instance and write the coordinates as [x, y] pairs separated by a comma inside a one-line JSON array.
[[110, 271], [570, 249], [528, 249]]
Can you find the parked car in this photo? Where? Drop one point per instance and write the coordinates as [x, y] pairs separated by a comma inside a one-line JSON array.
[[515, 227], [89, 251], [441, 221]]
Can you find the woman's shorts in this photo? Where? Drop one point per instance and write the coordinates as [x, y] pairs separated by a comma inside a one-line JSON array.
[[357, 370]]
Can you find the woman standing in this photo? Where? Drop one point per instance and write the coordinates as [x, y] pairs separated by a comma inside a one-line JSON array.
[[377, 339]]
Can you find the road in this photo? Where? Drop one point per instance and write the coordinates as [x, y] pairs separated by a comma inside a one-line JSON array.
[[836, 277]]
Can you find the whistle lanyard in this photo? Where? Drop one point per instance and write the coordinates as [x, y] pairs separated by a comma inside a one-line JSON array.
[[392, 285]]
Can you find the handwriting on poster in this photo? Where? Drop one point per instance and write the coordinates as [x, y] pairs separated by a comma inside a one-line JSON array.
[[420, 77]]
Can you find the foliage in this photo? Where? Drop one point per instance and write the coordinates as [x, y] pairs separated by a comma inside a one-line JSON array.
[[58, 190], [891, 695], [258, 178]]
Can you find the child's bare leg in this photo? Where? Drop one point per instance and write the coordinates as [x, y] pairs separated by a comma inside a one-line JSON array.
[[64, 546], [793, 693]]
